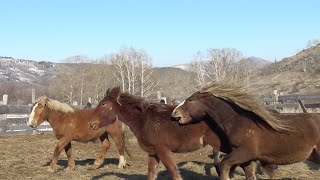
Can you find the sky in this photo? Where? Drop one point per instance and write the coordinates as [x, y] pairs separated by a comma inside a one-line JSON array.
[[170, 31]]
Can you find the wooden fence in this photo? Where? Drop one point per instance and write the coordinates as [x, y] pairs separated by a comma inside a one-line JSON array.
[[293, 103], [13, 120]]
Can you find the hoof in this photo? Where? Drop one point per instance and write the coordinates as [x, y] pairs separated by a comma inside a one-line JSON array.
[[69, 168], [52, 170], [122, 162], [122, 166], [98, 164]]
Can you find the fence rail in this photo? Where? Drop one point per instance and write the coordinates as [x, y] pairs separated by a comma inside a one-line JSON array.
[[293, 103], [13, 118]]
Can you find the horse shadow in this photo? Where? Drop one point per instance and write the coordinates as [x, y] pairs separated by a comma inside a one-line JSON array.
[[186, 174], [312, 165], [87, 162]]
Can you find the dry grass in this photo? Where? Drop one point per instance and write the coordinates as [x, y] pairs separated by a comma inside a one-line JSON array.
[[28, 157]]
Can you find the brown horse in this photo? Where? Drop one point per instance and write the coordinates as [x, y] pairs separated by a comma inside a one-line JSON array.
[[253, 132], [157, 133], [71, 124]]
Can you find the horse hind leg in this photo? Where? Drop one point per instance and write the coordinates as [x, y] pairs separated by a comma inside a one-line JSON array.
[[71, 163], [105, 146]]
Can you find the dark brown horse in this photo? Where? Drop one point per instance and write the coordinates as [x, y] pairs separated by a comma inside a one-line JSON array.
[[253, 132], [71, 124], [157, 133]]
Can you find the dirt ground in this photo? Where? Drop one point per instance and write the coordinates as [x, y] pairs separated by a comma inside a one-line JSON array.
[[28, 157]]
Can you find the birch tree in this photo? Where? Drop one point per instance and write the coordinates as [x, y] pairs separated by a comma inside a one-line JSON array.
[[221, 61], [133, 70], [215, 65], [199, 66]]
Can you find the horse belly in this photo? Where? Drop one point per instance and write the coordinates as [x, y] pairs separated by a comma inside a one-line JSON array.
[[188, 146], [288, 150], [288, 158], [87, 137]]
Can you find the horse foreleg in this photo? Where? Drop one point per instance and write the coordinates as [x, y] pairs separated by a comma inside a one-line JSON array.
[[166, 158], [71, 163], [236, 157], [249, 169], [105, 146], [61, 145], [269, 169], [218, 156], [153, 162], [117, 138]]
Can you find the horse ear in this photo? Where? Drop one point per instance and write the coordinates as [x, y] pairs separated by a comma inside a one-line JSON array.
[[107, 92], [114, 92]]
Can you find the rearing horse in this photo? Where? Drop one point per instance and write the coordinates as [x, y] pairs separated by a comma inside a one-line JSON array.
[[253, 132], [71, 124]]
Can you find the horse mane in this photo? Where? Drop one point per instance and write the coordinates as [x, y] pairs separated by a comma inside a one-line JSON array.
[[239, 95], [138, 102], [55, 105]]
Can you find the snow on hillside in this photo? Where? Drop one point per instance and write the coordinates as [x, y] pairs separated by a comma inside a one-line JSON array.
[[21, 70]]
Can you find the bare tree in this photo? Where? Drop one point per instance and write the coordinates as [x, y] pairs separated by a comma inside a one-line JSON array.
[[146, 83], [216, 65], [200, 66], [133, 70], [118, 61], [312, 43], [221, 60]]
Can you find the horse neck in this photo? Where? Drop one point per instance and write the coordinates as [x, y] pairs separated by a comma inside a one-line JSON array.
[[222, 113], [135, 121], [53, 117]]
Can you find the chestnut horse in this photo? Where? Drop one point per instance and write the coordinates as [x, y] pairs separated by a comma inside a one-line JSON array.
[[71, 124], [253, 132], [157, 133]]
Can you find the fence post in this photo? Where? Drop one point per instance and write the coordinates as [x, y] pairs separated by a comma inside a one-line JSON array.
[[33, 95], [276, 96], [302, 106], [5, 99]]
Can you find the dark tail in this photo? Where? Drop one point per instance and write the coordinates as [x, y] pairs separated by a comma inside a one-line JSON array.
[[125, 139]]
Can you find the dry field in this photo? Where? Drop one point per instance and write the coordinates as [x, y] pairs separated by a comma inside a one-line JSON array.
[[28, 157]]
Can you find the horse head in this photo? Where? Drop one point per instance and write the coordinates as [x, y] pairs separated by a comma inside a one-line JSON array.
[[39, 112], [106, 111], [191, 109]]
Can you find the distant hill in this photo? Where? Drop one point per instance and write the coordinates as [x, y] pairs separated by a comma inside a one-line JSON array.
[[256, 62], [297, 74], [253, 61], [174, 82], [182, 66], [26, 71]]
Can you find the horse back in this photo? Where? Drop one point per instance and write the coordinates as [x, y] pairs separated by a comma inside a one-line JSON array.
[[163, 130], [75, 126]]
